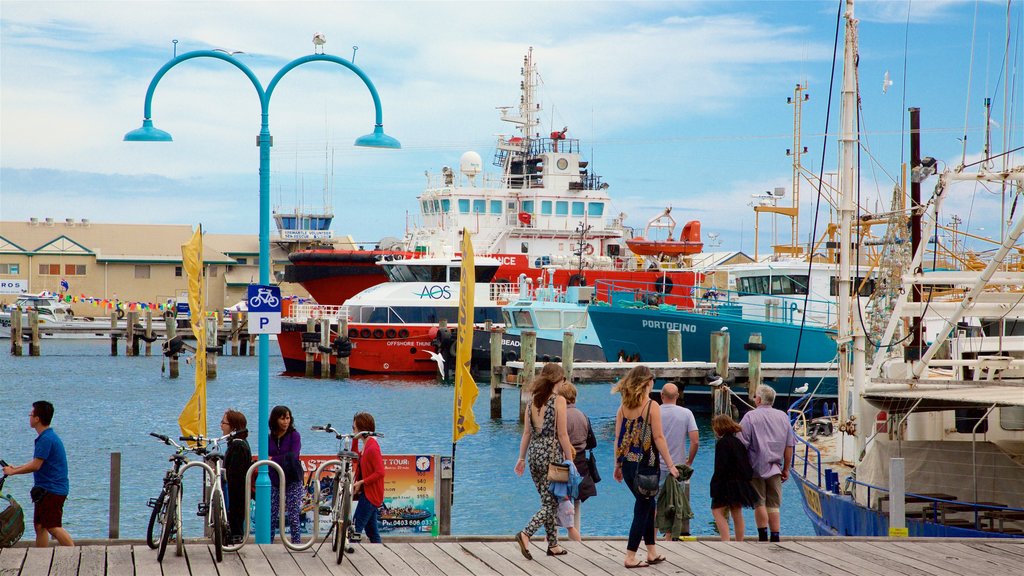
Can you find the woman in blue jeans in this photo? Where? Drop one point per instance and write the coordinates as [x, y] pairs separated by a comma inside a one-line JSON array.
[[637, 432]]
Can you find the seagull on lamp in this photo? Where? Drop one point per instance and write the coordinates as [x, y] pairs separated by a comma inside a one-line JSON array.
[[438, 359], [318, 42]]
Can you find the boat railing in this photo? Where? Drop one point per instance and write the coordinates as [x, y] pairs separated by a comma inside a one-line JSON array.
[[807, 449], [503, 292], [303, 312], [936, 506]]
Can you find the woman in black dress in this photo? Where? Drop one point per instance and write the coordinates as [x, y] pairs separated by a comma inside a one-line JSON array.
[[730, 485], [237, 460]]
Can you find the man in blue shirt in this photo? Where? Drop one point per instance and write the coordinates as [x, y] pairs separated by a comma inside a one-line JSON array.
[[49, 468]]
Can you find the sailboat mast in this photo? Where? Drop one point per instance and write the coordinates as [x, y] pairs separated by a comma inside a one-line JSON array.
[[847, 213]]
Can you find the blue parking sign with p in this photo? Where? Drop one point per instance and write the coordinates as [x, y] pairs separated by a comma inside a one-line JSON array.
[[264, 305]]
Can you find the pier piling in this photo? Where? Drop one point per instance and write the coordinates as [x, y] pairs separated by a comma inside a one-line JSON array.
[[115, 496], [171, 329], [675, 346], [33, 326], [341, 366], [325, 348], [236, 327], [149, 332], [754, 379], [529, 357], [495, 335], [212, 347], [113, 334], [16, 333], [568, 349], [310, 356], [131, 340]]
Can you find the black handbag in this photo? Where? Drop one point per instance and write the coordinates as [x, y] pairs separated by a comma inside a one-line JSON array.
[[591, 460], [648, 473], [37, 493]]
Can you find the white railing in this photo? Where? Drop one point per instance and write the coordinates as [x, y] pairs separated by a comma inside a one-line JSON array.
[[303, 312], [503, 292]]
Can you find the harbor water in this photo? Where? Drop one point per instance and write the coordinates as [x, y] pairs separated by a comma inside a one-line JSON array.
[[110, 404]]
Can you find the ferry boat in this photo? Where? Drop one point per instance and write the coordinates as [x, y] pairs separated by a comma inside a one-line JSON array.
[[395, 327], [929, 438], [547, 208]]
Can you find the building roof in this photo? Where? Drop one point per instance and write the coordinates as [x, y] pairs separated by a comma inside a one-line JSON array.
[[710, 259], [152, 243]]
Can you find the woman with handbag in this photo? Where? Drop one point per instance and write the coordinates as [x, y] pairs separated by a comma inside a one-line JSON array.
[[546, 440], [638, 441], [284, 447], [581, 435]]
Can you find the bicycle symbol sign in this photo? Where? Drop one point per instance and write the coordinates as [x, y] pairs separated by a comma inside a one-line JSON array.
[[264, 303]]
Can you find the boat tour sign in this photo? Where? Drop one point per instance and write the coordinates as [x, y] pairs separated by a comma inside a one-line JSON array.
[[13, 286], [264, 303]]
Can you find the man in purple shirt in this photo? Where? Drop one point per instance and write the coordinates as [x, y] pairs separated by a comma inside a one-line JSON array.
[[770, 440]]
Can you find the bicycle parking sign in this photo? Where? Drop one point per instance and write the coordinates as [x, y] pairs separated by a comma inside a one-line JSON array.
[[264, 304]]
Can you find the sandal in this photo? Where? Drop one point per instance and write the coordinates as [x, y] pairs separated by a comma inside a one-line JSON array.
[[523, 546], [639, 564], [562, 552], [657, 560]]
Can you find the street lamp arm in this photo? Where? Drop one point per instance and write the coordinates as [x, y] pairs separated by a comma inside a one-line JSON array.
[[147, 112], [379, 120]]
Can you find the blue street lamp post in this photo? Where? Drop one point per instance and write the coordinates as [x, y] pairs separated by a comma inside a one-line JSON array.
[[376, 139]]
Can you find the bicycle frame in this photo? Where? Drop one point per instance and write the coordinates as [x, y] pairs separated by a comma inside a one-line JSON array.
[[214, 485]]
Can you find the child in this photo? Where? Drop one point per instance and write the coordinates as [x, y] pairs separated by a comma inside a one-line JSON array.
[[730, 485]]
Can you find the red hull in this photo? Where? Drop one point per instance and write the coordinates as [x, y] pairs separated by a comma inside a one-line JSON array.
[[394, 355]]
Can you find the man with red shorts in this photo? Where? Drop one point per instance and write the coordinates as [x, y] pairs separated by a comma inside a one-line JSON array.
[[49, 467]]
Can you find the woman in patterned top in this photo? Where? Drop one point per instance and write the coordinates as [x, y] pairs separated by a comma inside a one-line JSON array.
[[637, 432], [546, 439]]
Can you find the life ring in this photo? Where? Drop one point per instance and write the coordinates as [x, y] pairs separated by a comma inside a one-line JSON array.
[[664, 285], [588, 249], [378, 333], [403, 333], [353, 332], [390, 333], [364, 333], [120, 314], [577, 280]]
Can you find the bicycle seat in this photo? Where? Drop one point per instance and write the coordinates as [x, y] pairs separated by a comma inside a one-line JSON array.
[[214, 456], [349, 454]]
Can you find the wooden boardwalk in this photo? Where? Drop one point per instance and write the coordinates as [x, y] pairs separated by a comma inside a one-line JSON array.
[[481, 556]]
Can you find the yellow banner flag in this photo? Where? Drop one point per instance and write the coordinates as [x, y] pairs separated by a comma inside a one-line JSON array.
[[463, 421], [192, 419]]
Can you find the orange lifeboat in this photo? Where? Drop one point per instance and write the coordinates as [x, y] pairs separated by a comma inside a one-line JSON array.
[[689, 242]]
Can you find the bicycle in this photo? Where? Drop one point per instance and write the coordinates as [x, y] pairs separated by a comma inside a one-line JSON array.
[[213, 508], [341, 488], [167, 504]]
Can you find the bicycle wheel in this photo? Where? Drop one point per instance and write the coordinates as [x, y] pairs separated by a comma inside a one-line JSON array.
[[170, 519], [156, 518], [217, 509], [336, 510], [344, 522]]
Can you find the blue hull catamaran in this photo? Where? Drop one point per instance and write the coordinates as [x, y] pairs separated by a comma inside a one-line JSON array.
[[929, 438]]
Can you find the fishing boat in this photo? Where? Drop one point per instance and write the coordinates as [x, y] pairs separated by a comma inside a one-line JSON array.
[[400, 326], [549, 312], [929, 437], [546, 209]]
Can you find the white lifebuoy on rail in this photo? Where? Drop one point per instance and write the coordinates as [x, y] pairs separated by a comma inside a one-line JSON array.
[[588, 249]]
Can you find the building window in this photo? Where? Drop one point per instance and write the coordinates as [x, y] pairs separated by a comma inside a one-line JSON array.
[[74, 269], [242, 261], [545, 207], [213, 271], [142, 272], [49, 269], [10, 268], [177, 271]]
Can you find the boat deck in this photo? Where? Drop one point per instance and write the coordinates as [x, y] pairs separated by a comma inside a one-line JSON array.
[[492, 556]]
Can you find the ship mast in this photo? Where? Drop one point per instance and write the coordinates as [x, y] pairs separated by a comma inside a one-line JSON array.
[[516, 152], [850, 334]]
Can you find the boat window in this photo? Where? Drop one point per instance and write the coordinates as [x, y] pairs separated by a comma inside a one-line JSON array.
[[967, 418], [454, 273], [495, 206], [561, 208], [508, 318], [288, 222], [446, 205], [523, 319], [415, 273], [484, 274], [463, 205], [426, 206], [524, 247], [1011, 417], [577, 209], [437, 206], [528, 206], [545, 207], [549, 319], [574, 319], [479, 206], [867, 287], [595, 208]]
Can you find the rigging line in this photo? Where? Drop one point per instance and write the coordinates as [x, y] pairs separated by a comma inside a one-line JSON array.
[[970, 75], [817, 207], [903, 88], [1017, 149]]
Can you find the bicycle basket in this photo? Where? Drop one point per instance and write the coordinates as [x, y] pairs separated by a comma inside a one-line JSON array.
[[12, 521]]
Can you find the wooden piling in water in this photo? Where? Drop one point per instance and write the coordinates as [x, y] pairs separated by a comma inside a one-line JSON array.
[[114, 531], [33, 326], [16, 332], [171, 330], [131, 339], [528, 339], [754, 379], [236, 328], [341, 366], [325, 347], [212, 348], [496, 359], [675, 346], [310, 357], [568, 352], [720, 352], [113, 334], [149, 332]]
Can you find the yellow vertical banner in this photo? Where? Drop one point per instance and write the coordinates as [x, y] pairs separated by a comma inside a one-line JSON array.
[[463, 421], [192, 419]]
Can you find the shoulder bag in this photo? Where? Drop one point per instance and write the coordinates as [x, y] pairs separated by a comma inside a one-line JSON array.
[[648, 473], [591, 460]]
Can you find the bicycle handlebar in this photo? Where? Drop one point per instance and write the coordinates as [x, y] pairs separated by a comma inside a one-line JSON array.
[[339, 435], [203, 446]]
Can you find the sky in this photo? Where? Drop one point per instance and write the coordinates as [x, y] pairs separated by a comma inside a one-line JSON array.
[[680, 104]]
